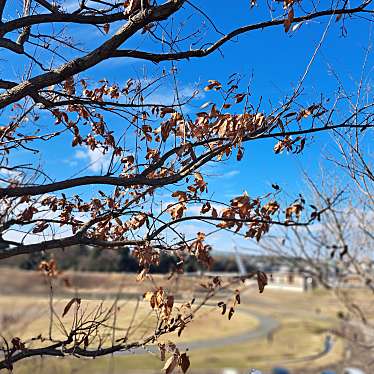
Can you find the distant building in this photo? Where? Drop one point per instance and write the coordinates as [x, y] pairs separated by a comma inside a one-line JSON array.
[[284, 273], [288, 279]]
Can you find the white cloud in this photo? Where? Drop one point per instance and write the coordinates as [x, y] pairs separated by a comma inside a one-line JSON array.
[[70, 162], [8, 175], [212, 171], [230, 174], [166, 94], [23, 233], [184, 93], [70, 5], [97, 160]]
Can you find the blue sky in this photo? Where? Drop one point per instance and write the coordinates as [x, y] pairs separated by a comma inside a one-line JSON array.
[[271, 59]]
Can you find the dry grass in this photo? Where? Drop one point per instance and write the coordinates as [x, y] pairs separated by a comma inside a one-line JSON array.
[[29, 317], [293, 341], [305, 319], [21, 282]]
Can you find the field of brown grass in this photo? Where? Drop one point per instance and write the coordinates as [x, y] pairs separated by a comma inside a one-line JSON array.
[[304, 321], [17, 282]]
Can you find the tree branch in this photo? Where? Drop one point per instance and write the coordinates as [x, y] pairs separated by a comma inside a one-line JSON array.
[[84, 181], [141, 179], [52, 8], [38, 19], [158, 57], [64, 243], [101, 53], [12, 46], [2, 6]]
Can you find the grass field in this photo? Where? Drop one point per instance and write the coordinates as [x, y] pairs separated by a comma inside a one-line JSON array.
[[33, 318], [304, 321]]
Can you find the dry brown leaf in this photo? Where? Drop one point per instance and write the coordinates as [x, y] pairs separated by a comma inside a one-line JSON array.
[[141, 276], [262, 280], [184, 362], [69, 305], [288, 22], [171, 364], [231, 312], [162, 349]]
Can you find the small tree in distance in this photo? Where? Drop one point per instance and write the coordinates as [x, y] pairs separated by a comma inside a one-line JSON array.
[[153, 149]]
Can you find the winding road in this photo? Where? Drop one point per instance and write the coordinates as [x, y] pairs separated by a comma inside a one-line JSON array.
[[265, 326]]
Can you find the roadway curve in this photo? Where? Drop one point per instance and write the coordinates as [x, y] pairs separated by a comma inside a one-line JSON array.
[[265, 327]]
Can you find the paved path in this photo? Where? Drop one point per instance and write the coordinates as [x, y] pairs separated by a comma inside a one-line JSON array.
[[266, 326]]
